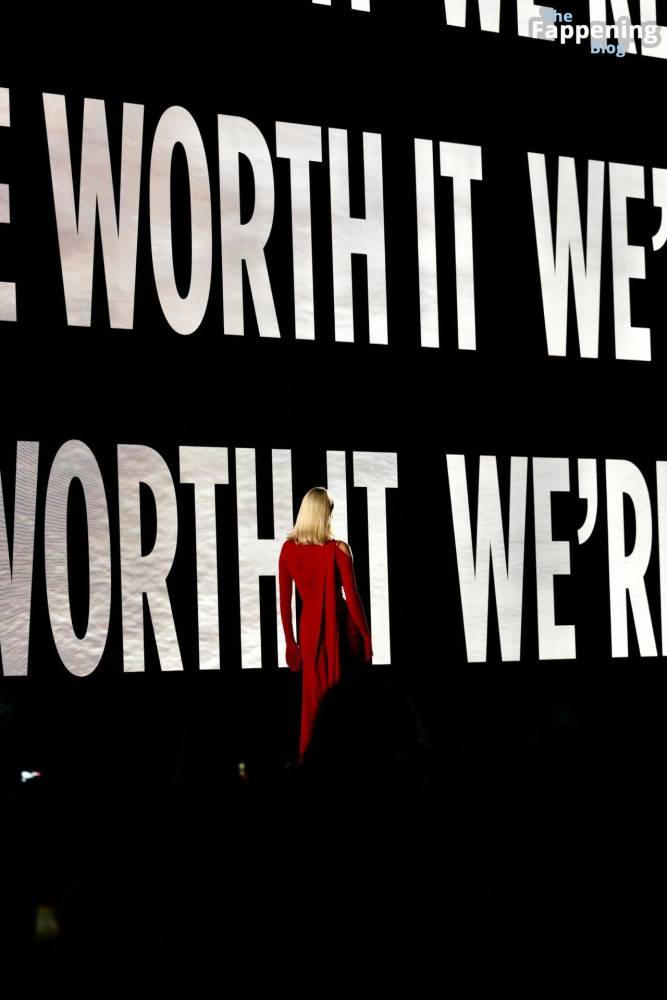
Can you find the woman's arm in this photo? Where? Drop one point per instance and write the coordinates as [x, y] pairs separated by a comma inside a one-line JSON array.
[[293, 654], [353, 598]]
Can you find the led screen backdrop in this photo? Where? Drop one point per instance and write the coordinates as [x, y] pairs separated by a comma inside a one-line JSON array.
[[414, 253]]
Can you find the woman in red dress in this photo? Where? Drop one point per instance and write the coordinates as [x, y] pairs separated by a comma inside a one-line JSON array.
[[333, 633]]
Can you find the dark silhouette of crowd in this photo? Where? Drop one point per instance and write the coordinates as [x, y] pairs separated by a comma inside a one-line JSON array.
[[382, 838]]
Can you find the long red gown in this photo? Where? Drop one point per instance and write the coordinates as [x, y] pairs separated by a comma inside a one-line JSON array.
[[333, 631]]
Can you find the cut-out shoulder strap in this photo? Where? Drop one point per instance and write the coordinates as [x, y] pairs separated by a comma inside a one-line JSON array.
[[344, 547]]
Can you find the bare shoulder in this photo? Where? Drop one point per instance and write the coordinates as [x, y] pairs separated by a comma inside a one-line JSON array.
[[344, 547]]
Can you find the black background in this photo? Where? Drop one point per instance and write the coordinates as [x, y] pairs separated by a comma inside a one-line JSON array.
[[401, 72]]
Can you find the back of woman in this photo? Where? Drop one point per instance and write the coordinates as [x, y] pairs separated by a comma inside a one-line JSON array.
[[333, 632]]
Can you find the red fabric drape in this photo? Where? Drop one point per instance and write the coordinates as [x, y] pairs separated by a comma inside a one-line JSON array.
[[318, 572]]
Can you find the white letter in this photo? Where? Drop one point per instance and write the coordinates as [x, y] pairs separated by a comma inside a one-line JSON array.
[[7, 288], [377, 471], [259, 556], [245, 241], [555, 267], [474, 569], [620, 12], [489, 14], [356, 4], [647, 15], [146, 574], [96, 194], [626, 572], [525, 12], [463, 164], [633, 343], [354, 235], [206, 468], [184, 315], [552, 558], [301, 145], [337, 486], [661, 476], [80, 654], [16, 574], [426, 244]]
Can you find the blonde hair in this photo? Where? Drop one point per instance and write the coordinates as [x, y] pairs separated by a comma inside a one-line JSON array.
[[313, 522]]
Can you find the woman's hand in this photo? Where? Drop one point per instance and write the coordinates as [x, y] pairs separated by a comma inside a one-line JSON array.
[[293, 657], [368, 650]]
